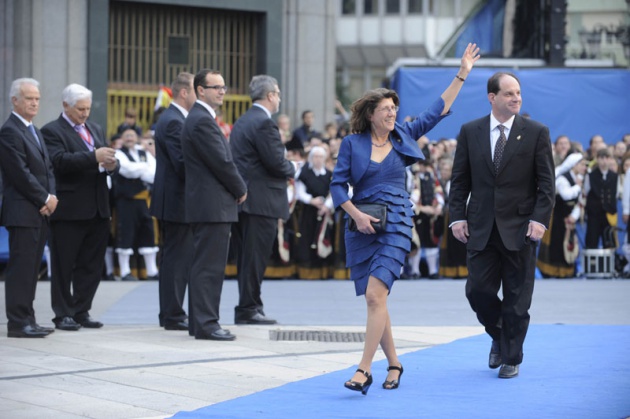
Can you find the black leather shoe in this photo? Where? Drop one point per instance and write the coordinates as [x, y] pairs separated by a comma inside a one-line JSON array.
[[219, 334], [129, 277], [494, 361], [176, 326], [89, 323], [49, 330], [67, 323], [508, 371], [256, 319], [27, 332], [153, 278]]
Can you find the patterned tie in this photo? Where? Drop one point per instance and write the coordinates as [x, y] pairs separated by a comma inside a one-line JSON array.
[[85, 135], [498, 149], [31, 128]]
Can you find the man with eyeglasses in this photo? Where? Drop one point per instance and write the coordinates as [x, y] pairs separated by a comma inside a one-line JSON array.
[[259, 155], [214, 188]]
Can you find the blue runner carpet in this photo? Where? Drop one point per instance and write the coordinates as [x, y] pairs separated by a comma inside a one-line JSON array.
[[567, 372]]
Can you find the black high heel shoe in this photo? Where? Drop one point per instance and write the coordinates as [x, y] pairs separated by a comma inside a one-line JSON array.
[[362, 387], [390, 385]]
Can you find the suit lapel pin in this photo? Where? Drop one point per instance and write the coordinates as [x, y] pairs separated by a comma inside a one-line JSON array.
[[518, 138]]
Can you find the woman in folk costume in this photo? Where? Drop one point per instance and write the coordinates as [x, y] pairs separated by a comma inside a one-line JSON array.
[[559, 246], [314, 242], [452, 251]]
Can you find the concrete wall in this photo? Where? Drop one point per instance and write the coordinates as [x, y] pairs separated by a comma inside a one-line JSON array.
[[46, 40], [309, 61]]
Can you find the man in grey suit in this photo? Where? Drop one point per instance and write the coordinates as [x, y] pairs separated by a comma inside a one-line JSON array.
[[28, 200], [167, 205], [259, 155], [504, 163], [214, 188]]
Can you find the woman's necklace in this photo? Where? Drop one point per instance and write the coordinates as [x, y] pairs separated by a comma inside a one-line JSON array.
[[380, 145]]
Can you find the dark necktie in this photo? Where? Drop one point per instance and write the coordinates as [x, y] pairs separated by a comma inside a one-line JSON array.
[[31, 128], [498, 149]]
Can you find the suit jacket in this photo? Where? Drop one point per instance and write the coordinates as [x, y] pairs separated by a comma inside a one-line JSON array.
[[168, 195], [523, 190], [82, 188], [356, 149], [259, 155], [213, 183], [27, 175]]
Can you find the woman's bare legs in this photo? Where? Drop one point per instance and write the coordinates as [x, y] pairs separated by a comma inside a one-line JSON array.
[[378, 328]]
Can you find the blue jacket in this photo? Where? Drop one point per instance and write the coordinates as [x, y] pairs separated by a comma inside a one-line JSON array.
[[355, 150]]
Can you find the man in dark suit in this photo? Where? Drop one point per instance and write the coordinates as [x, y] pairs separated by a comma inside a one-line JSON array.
[[259, 155], [80, 226], [213, 190], [29, 199], [504, 162], [167, 205]]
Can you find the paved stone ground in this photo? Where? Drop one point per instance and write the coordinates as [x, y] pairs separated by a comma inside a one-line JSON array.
[[131, 368]]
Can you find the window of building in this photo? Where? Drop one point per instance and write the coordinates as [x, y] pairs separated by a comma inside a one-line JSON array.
[[392, 7], [348, 7], [370, 7], [414, 6]]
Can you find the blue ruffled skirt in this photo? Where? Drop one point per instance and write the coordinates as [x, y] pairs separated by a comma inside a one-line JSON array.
[[381, 255]]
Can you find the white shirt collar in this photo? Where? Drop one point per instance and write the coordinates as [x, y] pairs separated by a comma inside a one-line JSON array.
[[205, 105], [24, 121], [264, 109], [495, 123], [181, 109], [318, 172], [72, 124]]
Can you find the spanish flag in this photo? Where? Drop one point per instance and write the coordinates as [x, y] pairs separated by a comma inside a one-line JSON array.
[[164, 98]]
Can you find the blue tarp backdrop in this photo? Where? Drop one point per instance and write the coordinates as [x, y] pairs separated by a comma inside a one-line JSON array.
[[576, 102]]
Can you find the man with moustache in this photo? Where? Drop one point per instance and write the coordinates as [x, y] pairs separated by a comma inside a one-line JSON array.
[[82, 162], [28, 200], [214, 188]]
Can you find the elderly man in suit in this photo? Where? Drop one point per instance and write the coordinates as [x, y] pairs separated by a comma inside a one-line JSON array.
[[80, 227], [167, 205], [214, 188], [259, 155], [29, 199], [504, 163]]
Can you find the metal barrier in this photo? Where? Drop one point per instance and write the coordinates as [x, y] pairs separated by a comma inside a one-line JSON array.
[[598, 263], [144, 103]]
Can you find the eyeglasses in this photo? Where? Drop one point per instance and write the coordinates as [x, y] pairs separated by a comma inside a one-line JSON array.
[[388, 109], [216, 87]]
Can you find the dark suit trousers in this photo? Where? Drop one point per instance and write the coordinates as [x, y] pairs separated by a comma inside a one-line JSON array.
[[211, 242], [256, 235], [505, 320], [26, 247], [177, 256], [77, 254]]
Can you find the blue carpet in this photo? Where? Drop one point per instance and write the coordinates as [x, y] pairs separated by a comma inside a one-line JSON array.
[[568, 372]]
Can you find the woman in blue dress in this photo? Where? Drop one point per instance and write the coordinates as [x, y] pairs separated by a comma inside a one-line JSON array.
[[372, 161]]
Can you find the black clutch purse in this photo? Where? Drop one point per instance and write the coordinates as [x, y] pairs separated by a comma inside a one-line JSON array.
[[375, 210]]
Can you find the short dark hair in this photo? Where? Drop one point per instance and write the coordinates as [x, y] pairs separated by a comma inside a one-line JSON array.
[[494, 80], [364, 107], [200, 78], [306, 112]]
